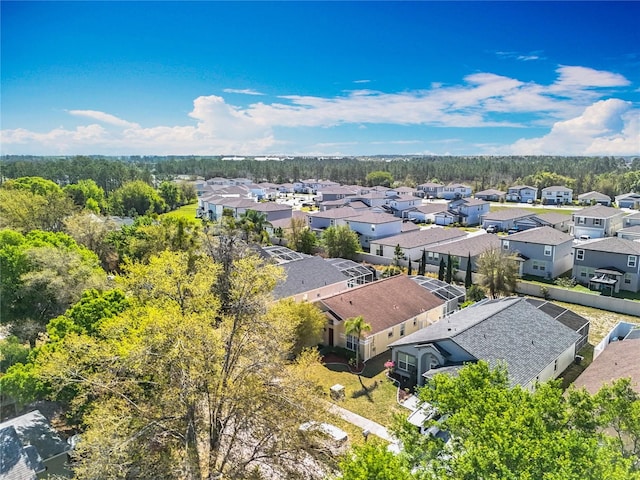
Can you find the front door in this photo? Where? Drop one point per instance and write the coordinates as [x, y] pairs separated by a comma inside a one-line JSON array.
[[331, 337]]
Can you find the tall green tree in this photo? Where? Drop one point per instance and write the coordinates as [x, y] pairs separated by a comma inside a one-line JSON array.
[[379, 177], [422, 269], [166, 391], [254, 224], [87, 194], [340, 241], [498, 272], [398, 255], [171, 194], [449, 273], [441, 269], [136, 198], [468, 279], [355, 327]]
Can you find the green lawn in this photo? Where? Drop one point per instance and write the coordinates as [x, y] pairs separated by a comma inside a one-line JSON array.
[[370, 394], [536, 210], [186, 211]]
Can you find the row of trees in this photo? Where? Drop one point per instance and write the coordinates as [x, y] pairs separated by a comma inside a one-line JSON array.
[[605, 174]]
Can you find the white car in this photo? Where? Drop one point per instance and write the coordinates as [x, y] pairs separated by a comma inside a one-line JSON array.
[[327, 429]]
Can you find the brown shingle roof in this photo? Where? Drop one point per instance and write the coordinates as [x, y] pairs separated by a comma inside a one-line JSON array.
[[469, 246], [618, 360], [383, 304]]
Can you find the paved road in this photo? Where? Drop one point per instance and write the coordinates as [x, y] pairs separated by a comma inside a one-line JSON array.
[[359, 421]]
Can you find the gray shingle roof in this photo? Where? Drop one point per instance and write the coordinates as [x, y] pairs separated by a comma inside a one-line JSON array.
[[418, 238], [553, 218], [611, 245], [595, 195], [508, 330], [508, 214], [469, 246], [542, 236], [599, 211], [373, 218], [307, 274]]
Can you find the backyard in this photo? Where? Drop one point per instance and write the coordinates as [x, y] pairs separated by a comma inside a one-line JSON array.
[[370, 394]]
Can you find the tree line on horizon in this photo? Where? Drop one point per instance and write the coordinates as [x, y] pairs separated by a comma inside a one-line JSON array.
[[609, 175]]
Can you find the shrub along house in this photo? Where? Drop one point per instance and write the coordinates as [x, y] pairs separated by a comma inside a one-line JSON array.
[[394, 307], [534, 346]]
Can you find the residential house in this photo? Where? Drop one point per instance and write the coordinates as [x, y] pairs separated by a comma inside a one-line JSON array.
[[608, 264], [430, 190], [452, 294], [533, 345], [312, 185], [491, 195], [318, 221], [455, 190], [593, 198], [628, 200], [631, 220], [559, 221], [371, 226], [522, 194], [597, 222], [407, 191], [460, 250], [556, 195], [309, 278], [395, 307], [630, 233], [371, 199], [273, 211], [465, 211], [29, 446], [412, 243], [286, 188], [334, 193], [505, 220], [616, 356], [399, 204], [425, 213], [542, 252]]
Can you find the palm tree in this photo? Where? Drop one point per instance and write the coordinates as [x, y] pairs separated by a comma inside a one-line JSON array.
[[253, 223], [355, 327], [499, 271]]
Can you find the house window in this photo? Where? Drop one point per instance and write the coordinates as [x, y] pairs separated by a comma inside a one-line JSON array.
[[548, 250], [627, 278], [537, 265], [581, 220], [597, 221], [436, 256], [632, 261], [555, 365], [380, 251], [352, 343], [406, 362], [402, 329], [390, 334], [580, 254], [373, 228], [505, 244]]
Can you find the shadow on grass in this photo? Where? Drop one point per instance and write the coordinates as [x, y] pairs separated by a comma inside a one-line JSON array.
[[373, 367], [365, 391], [574, 370]]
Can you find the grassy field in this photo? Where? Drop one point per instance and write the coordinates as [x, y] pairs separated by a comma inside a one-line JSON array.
[[186, 211], [371, 394]]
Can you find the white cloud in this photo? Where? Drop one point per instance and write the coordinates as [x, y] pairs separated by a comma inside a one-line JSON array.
[[569, 107], [588, 77], [245, 91], [361, 81], [528, 58], [608, 127], [103, 117]]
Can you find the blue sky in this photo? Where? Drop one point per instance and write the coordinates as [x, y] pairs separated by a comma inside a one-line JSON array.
[[325, 78]]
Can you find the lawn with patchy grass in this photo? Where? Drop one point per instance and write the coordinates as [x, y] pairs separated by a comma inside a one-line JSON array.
[[186, 211], [371, 394], [536, 210]]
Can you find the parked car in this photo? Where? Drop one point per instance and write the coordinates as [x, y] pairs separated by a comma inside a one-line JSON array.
[[492, 229]]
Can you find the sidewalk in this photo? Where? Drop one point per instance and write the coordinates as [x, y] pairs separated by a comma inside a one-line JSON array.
[[364, 423]]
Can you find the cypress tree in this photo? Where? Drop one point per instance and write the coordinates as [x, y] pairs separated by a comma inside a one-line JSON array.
[[409, 268], [468, 281], [423, 263], [449, 276], [441, 270]]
